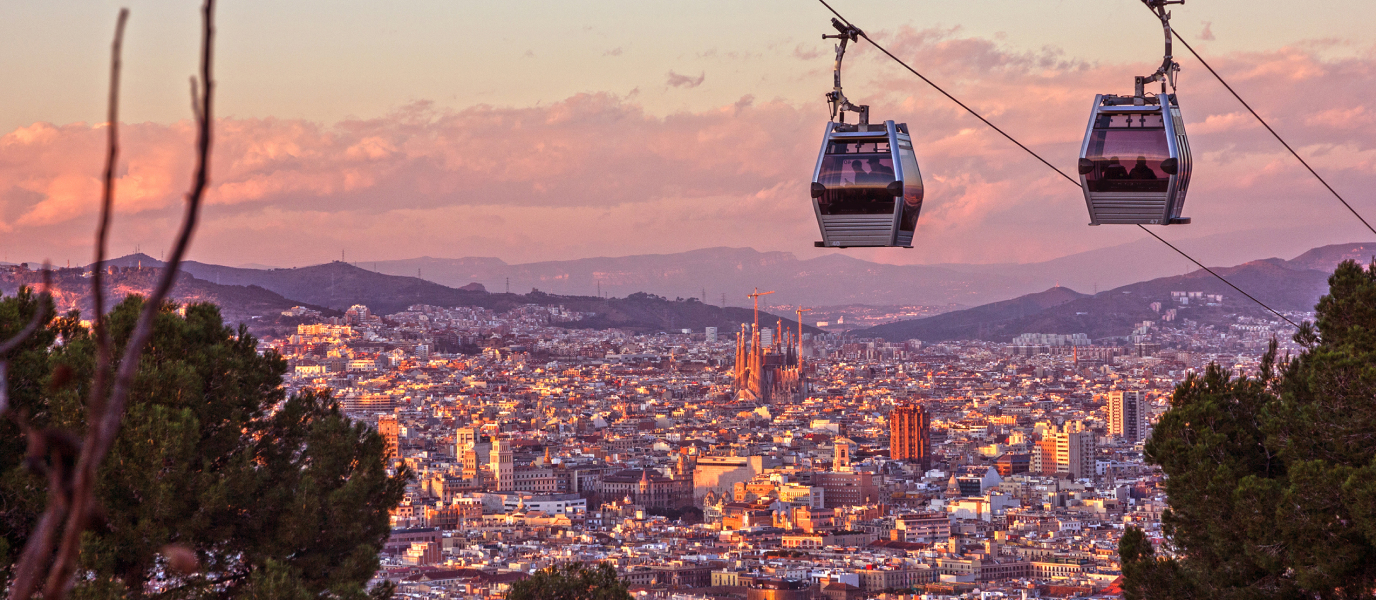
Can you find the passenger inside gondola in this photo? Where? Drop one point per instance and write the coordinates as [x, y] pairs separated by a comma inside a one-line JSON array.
[[855, 175], [1141, 170], [1115, 170], [880, 174], [858, 174]]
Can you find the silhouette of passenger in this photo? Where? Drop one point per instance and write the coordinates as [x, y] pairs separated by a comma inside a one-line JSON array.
[[1141, 170], [881, 174], [861, 176], [1115, 170]]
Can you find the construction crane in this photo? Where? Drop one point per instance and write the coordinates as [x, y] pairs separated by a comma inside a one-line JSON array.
[[756, 297]]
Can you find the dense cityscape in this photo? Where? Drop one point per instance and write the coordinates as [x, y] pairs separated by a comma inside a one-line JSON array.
[[763, 463]]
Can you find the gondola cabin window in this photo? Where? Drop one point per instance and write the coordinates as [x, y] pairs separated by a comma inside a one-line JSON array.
[[1127, 151], [912, 188], [856, 175]]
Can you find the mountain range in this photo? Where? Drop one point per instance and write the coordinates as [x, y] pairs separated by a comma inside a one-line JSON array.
[[258, 295], [725, 275], [1293, 285]]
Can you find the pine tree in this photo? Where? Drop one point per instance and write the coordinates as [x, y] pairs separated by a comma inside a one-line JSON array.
[[572, 581], [1271, 479], [268, 492]]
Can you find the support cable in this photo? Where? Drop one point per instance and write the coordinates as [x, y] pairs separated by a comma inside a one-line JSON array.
[[1072, 180], [1273, 132], [943, 92]]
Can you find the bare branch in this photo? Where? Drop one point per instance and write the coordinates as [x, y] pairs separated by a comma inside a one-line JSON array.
[[39, 547], [107, 204], [100, 435]]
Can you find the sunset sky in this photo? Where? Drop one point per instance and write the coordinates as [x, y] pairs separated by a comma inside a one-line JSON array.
[[550, 130]]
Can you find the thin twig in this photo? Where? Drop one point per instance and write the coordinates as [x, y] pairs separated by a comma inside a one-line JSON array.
[[100, 435], [100, 325]]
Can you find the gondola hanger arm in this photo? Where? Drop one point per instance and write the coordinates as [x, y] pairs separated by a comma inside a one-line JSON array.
[[836, 98], [1166, 72]]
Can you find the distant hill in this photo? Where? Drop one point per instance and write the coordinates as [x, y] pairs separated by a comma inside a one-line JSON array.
[[1326, 258], [1283, 285], [838, 278], [337, 286], [833, 279], [1294, 284], [72, 290], [973, 323]]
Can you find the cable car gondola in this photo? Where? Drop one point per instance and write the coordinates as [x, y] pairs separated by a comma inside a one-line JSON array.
[[866, 187], [1135, 161]]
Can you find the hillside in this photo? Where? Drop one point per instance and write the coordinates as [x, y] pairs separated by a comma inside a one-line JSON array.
[[973, 323], [1284, 285], [832, 279], [71, 291], [245, 293], [840, 278]]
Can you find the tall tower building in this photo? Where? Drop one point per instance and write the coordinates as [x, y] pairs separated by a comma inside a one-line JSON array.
[[1127, 415], [390, 430], [1075, 449], [910, 435], [503, 465]]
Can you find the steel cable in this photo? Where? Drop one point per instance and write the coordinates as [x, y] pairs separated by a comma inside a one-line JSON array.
[[1273, 132], [1072, 180]]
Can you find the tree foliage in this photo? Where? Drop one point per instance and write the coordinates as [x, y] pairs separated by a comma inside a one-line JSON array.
[[274, 494], [1272, 479], [572, 581]]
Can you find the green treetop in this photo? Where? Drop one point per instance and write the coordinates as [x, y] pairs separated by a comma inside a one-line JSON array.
[[572, 581], [1271, 479], [269, 492]]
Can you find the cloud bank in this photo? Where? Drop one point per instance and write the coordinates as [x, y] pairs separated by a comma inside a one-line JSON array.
[[595, 174]]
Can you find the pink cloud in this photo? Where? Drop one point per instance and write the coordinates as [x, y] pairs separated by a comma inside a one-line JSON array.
[[676, 80], [594, 174]]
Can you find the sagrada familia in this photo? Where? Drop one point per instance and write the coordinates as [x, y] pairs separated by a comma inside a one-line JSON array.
[[768, 372]]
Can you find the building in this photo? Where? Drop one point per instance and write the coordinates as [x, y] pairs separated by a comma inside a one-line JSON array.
[[1043, 458], [390, 430], [720, 473], [843, 448], [464, 438], [924, 526], [767, 369], [883, 578], [354, 402], [1011, 464], [1127, 415], [1075, 448], [847, 488], [648, 488], [910, 435], [502, 464]]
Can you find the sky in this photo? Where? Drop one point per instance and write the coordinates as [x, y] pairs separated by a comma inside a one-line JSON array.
[[545, 131]]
